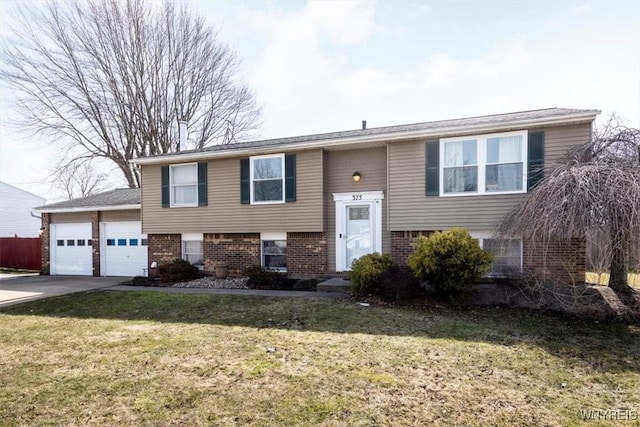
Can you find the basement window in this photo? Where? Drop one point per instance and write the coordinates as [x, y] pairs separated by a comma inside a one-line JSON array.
[[193, 249], [274, 251], [507, 255]]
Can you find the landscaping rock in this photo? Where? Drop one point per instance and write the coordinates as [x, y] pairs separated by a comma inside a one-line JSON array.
[[213, 283]]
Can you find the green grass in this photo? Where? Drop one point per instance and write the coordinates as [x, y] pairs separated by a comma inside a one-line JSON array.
[[143, 358]]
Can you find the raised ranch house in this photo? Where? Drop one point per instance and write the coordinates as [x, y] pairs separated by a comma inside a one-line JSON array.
[[310, 205]]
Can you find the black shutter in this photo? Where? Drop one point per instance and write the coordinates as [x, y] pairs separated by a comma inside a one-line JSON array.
[[536, 159], [290, 177], [245, 182], [432, 170], [203, 197], [165, 187]]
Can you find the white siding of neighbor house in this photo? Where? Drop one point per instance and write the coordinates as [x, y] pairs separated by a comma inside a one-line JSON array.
[[16, 206]]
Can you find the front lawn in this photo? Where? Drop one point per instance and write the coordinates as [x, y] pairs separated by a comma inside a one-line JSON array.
[[147, 358]]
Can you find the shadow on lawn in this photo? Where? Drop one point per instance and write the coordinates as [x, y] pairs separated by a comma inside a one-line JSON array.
[[603, 346]]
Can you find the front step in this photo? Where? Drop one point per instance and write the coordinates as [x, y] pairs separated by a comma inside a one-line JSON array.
[[335, 284]]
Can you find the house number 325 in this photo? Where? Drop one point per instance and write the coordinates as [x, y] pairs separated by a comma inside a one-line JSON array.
[[356, 197]]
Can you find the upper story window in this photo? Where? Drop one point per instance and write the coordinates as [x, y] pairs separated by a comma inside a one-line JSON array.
[[484, 164], [184, 185], [267, 179], [460, 166]]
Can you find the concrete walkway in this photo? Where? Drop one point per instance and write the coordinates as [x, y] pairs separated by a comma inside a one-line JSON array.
[[19, 288]]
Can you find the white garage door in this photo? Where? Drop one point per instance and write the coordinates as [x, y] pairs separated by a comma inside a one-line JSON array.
[[70, 246], [124, 249]]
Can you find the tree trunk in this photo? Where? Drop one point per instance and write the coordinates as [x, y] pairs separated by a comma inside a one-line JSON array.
[[618, 280]]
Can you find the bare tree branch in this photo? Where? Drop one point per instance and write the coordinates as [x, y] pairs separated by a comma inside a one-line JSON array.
[[79, 178], [112, 78], [596, 189]]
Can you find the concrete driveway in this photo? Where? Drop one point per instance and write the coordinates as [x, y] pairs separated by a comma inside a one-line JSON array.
[[19, 288]]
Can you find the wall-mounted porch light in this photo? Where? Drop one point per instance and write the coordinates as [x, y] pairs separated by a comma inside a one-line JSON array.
[[356, 177]]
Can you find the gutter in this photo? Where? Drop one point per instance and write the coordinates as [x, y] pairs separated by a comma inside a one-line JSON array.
[[45, 209], [382, 137]]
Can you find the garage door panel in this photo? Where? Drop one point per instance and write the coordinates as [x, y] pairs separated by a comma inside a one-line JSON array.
[[71, 246], [125, 249]]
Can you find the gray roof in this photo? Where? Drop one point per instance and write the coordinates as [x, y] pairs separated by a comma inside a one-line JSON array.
[[470, 122], [113, 198]]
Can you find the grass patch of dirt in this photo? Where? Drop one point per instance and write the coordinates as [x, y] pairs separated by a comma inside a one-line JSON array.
[[147, 358]]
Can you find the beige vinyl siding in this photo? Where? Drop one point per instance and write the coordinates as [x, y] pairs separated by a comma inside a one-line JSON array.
[[113, 216], [225, 214], [559, 140], [69, 217], [339, 168], [410, 209]]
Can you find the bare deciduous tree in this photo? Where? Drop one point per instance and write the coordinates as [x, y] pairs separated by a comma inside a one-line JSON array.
[[113, 78], [597, 187], [78, 179]]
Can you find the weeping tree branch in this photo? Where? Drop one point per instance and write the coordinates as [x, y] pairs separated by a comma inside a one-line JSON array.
[[595, 187], [110, 79]]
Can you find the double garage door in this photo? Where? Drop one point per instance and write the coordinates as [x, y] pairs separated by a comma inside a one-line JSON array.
[[123, 249]]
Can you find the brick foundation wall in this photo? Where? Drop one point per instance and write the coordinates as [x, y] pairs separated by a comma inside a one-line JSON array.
[[163, 248], [236, 250], [403, 244], [306, 254], [558, 260], [44, 241], [95, 242]]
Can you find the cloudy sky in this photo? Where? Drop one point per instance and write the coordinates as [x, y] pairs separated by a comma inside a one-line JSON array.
[[325, 66]]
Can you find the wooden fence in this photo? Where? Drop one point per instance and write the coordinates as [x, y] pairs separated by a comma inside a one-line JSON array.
[[21, 253]]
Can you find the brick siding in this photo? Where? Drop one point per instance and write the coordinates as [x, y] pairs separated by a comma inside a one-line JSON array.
[[163, 248], [403, 244], [44, 241], [95, 242], [306, 254], [236, 250], [558, 261]]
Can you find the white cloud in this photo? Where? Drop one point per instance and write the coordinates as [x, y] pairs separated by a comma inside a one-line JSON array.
[[346, 23], [506, 59], [301, 62]]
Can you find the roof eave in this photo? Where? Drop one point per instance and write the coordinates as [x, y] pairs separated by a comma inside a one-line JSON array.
[[45, 209], [581, 117]]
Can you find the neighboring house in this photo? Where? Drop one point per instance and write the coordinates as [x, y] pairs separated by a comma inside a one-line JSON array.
[[98, 235], [310, 205], [16, 206]]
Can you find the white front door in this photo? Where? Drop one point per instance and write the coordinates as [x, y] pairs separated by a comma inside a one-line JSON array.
[[358, 226]]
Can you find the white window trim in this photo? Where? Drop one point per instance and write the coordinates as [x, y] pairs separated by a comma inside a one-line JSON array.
[[482, 163], [268, 156], [482, 235], [270, 236], [172, 203]]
